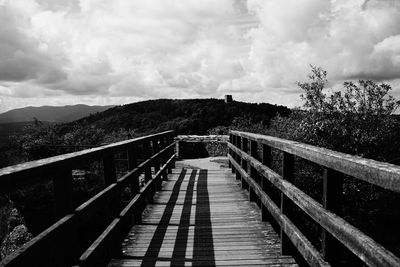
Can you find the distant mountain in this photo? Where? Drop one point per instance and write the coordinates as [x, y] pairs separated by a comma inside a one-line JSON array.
[[50, 113]]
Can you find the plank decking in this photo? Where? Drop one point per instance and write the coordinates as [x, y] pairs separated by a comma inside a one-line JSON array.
[[202, 217]]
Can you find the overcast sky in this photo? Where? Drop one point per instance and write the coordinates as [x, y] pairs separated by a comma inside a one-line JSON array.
[[57, 52]]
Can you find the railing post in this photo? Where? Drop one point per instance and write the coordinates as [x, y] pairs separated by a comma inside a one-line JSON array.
[[230, 152], [244, 148], [162, 142], [146, 156], [254, 149], [253, 173], [109, 169], [266, 160], [171, 141], [162, 146], [132, 163], [170, 166], [286, 205], [238, 144], [266, 155], [132, 158], [62, 185], [332, 201], [156, 149]]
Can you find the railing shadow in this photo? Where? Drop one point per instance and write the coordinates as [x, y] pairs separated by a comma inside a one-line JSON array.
[[203, 248]]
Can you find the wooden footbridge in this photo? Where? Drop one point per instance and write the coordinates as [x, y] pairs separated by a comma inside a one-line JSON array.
[[221, 212]]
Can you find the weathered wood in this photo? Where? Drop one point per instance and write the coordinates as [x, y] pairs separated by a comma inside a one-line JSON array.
[[378, 173], [253, 149], [108, 244], [200, 222], [110, 175], [286, 205], [266, 155], [132, 157], [306, 249], [58, 245], [203, 138], [17, 176], [267, 161], [360, 244], [332, 200], [62, 184]]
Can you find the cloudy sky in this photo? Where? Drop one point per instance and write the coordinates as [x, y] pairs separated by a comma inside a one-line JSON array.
[[58, 52]]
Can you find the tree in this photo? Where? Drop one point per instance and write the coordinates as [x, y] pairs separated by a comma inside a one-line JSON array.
[[357, 121]]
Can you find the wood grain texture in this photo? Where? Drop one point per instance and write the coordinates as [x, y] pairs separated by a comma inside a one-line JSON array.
[[202, 218], [17, 176], [64, 241], [360, 244], [375, 172]]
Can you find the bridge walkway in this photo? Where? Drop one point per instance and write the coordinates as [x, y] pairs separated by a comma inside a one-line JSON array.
[[202, 217]]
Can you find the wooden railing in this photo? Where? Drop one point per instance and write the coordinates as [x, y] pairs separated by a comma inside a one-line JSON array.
[[200, 146], [70, 240], [250, 158]]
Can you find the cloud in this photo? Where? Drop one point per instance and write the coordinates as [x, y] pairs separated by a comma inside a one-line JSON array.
[[347, 38], [21, 56], [255, 49]]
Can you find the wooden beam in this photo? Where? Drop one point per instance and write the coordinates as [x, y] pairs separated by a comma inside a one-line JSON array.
[[286, 204], [360, 244], [306, 249], [378, 173], [332, 200], [62, 184], [110, 175]]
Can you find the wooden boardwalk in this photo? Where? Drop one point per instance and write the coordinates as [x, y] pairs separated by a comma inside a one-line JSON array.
[[202, 217]]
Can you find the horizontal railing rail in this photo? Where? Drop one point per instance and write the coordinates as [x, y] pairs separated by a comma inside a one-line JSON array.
[[69, 241], [250, 166], [202, 138]]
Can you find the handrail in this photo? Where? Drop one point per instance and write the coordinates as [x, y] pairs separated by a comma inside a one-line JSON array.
[[382, 174], [17, 176], [63, 243], [245, 161]]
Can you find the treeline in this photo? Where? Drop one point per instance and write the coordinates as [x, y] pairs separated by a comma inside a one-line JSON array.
[[192, 116]]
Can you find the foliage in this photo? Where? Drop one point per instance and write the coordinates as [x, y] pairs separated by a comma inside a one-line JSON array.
[[36, 140], [355, 121], [194, 116]]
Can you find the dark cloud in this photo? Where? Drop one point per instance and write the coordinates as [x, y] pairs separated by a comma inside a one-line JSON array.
[[20, 55]]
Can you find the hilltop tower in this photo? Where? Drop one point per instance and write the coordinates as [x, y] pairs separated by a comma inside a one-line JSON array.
[[228, 99]]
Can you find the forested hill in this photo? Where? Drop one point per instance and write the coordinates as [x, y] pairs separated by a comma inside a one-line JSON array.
[[191, 116]]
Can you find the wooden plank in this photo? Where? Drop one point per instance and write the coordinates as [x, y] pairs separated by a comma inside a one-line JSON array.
[[58, 245], [360, 244], [304, 246], [375, 172], [332, 200], [286, 205], [107, 245], [62, 184], [209, 222], [110, 176], [17, 176]]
